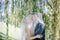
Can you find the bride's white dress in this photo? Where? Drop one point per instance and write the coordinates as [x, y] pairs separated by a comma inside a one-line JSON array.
[[23, 34], [24, 24]]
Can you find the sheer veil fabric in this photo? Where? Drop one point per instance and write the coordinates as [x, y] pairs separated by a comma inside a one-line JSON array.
[[28, 23]]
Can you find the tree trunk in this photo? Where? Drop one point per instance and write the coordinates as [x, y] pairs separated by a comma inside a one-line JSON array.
[[56, 19]]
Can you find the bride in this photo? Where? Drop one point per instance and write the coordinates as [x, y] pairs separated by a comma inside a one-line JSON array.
[[28, 26]]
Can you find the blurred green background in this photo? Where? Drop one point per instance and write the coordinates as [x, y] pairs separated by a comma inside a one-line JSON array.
[[12, 12]]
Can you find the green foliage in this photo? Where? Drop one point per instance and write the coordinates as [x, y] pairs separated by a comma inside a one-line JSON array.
[[22, 8]]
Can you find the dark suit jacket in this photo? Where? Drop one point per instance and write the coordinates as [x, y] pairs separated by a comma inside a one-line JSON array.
[[39, 30]]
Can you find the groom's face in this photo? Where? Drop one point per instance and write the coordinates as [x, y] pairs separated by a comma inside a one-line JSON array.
[[33, 17]]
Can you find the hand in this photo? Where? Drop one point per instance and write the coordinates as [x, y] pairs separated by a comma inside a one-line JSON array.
[[39, 36]]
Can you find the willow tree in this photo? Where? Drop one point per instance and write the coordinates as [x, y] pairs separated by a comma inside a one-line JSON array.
[[18, 9]]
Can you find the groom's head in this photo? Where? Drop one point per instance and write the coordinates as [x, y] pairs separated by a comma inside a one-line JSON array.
[[34, 16]]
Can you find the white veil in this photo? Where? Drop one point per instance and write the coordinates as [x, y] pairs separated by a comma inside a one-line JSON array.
[[25, 21]]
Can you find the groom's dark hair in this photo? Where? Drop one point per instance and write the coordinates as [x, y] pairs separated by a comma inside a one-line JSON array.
[[35, 13]]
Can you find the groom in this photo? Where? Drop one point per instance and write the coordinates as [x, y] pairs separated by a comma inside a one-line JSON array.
[[39, 30]]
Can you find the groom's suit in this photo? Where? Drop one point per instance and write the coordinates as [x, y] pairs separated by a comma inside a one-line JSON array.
[[39, 30]]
